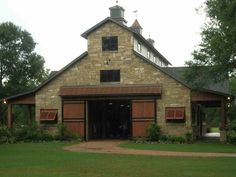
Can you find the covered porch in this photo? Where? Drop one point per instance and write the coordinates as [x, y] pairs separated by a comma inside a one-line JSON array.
[[202, 100], [26, 99]]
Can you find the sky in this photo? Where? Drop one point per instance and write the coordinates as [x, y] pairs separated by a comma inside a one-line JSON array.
[[56, 25]]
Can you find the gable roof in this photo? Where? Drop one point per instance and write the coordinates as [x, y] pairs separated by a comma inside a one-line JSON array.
[[177, 73], [135, 33], [51, 77], [221, 88]]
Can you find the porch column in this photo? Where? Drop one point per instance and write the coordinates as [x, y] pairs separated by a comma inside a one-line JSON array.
[[223, 121], [9, 115]]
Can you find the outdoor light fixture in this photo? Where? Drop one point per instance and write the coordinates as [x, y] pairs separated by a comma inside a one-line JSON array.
[[228, 98], [4, 101]]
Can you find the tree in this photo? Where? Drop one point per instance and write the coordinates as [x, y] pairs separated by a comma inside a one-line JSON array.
[[215, 56], [21, 69]]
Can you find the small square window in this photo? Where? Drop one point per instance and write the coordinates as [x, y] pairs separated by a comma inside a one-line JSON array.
[[110, 43], [110, 76]]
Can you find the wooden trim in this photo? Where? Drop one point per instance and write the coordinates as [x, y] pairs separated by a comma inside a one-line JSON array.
[[9, 115]]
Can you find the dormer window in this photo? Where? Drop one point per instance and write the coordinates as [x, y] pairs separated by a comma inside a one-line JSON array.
[[110, 43], [148, 54], [139, 47]]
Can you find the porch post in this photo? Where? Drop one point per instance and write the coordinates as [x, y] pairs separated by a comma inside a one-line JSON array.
[[223, 121], [9, 115]]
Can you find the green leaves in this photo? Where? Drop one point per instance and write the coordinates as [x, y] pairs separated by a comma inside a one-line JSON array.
[[21, 69], [217, 49]]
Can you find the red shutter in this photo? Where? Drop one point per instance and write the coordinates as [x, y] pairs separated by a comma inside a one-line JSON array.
[[176, 113], [48, 114]]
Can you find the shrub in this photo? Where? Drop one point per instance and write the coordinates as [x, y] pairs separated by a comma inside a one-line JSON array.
[[231, 137], [6, 135], [232, 125], [31, 133], [189, 137], [163, 138], [63, 134], [153, 132], [176, 139]]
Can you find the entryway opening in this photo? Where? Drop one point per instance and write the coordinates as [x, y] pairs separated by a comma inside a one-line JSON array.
[[109, 119]]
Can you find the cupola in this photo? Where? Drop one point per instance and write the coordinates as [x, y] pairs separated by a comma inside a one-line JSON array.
[[136, 27], [117, 13]]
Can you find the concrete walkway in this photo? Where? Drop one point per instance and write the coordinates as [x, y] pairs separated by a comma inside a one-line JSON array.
[[112, 147]]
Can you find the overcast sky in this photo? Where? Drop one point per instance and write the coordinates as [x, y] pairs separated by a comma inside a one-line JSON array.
[[56, 25]]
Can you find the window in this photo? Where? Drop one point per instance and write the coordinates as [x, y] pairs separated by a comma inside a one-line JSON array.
[[148, 54], [155, 60], [110, 76], [110, 43], [139, 47], [48, 114], [175, 114]]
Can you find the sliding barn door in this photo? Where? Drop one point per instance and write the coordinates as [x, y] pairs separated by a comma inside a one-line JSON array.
[[74, 116], [143, 114]]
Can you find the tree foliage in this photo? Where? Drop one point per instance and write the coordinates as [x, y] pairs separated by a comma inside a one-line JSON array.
[[21, 68], [217, 49]]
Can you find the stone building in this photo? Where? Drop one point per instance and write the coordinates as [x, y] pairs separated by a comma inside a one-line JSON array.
[[118, 87]]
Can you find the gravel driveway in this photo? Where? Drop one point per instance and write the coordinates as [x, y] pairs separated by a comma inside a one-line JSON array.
[[112, 146]]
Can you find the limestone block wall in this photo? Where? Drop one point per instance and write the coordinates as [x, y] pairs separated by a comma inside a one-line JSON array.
[[133, 70]]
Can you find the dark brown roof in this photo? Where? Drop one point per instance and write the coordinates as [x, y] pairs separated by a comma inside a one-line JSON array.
[[114, 90], [221, 88]]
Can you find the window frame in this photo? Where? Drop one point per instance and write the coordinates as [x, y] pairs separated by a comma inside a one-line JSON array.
[[106, 76], [108, 45]]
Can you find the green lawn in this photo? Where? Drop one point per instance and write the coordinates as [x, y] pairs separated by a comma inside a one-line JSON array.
[[49, 160], [214, 129], [196, 147]]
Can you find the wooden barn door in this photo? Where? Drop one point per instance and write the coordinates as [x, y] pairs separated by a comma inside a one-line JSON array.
[[143, 114], [74, 116]]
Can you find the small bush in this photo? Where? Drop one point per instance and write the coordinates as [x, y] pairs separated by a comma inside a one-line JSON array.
[[176, 139], [189, 137], [64, 135], [231, 137], [232, 125], [6, 135], [153, 132], [163, 138]]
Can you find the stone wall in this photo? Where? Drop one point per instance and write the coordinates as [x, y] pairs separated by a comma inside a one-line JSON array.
[[133, 70]]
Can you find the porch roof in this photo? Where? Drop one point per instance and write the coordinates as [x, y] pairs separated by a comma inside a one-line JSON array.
[[111, 90]]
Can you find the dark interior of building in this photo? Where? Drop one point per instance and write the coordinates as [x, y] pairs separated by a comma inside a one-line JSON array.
[[109, 119]]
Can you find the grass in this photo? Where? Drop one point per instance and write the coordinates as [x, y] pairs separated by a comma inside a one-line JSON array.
[[49, 160], [196, 147], [214, 130]]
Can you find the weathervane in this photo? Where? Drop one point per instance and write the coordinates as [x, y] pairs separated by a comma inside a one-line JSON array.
[[117, 2], [136, 13]]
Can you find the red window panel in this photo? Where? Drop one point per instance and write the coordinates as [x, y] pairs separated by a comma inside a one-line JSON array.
[[177, 113], [170, 113], [48, 114]]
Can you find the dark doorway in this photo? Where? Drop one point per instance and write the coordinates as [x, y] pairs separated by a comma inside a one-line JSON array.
[[109, 119]]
